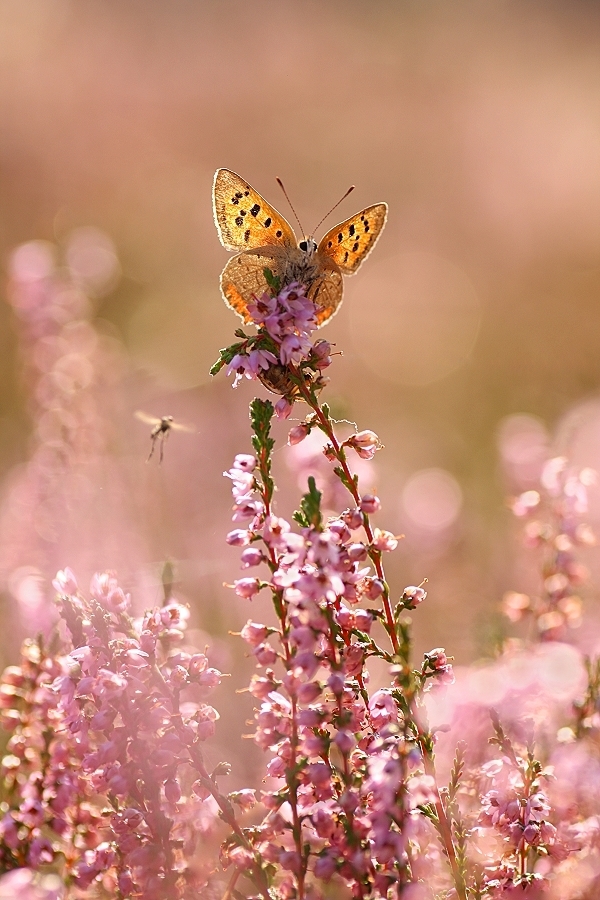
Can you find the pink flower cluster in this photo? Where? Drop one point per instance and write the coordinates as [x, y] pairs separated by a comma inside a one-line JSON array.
[[555, 528], [282, 351], [346, 771], [105, 735]]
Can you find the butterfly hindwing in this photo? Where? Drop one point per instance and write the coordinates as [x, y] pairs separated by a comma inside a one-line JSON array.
[[350, 242], [243, 218]]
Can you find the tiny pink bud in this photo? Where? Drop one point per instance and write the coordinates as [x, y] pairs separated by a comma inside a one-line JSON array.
[[265, 654], [247, 587], [251, 556], [372, 587], [412, 596], [345, 740], [363, 620], [197, 665], [239, 537], [335, 683], [308, 692], [209, 678], [246, 798], [298, 433], [369, 503], [357, 552], [254, 633], [283, 408]]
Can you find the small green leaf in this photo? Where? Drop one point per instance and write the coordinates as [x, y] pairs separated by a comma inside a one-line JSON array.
[[274, 281]]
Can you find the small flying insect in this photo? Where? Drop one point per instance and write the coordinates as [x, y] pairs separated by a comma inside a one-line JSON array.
[[161, 429]]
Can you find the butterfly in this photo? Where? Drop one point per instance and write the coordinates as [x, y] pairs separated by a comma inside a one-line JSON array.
[[263, 240]]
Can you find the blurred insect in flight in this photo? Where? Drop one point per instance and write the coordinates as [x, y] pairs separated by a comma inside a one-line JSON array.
[[161, 429]]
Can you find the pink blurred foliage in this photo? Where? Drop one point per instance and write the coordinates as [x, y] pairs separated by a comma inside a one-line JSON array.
[[480, 782], [73, 375]]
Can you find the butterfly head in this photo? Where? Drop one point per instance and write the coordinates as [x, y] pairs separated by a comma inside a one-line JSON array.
[[308, 246]]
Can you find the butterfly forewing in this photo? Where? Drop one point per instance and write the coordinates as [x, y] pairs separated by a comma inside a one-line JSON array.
[[243, 218], [350, 242]]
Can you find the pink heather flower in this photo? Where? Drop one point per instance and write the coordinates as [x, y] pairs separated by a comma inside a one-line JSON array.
[[244, 461], [413, 595], [265, 654], [366, 443], [250, 557], [247, 587], [322, 351], [283, 408], [384, 540], [363, 620], [298, 433], [369, 504], [254, 633], [239, 537], [245, 798], [383, 709], [65, 582]]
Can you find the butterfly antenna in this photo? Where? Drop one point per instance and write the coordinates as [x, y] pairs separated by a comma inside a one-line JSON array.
[[280, 183], [349, 191]]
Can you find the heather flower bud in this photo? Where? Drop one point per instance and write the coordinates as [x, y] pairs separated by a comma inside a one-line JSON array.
[[239, 537], [345, 740], [65, 582], [245, 798], [413, 595], [366, 443], [298, 433], [363, 620], [308, 692], [250, 557], [197, 664], [353, 518], [353, 659], [357, 552], [325, 866], [254, 633], [371, 587], [265, 654], [283, 408], [247, 587], [210, 678], [336, 683], [369, 504]]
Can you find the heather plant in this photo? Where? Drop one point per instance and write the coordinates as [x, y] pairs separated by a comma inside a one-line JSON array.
[[416, 788]]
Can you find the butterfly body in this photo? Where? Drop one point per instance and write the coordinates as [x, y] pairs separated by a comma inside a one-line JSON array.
[[264, 239]]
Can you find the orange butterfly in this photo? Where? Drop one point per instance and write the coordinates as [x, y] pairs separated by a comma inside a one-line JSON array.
[[264, 239]]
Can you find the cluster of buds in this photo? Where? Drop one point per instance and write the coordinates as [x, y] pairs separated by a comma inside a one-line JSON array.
[[555, 527]]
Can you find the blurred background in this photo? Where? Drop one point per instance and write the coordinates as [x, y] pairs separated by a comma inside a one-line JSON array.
[[470, 338]]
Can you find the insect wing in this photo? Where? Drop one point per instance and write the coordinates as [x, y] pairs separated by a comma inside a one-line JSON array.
[[350, 242], [243, 218]]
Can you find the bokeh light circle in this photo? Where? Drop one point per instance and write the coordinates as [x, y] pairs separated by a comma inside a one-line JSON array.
[[432, 499]]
